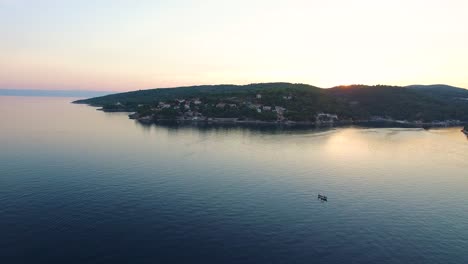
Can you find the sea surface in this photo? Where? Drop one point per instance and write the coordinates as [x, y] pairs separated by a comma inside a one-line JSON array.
[[82, 186]]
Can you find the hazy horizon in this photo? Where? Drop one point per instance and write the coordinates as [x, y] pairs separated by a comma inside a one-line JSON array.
[[127, 45], [53, 93], [5, 91]]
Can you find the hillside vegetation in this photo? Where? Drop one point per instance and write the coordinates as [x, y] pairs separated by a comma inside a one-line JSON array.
[[292, 102]]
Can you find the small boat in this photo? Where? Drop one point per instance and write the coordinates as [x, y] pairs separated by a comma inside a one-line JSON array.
[[322, 197]]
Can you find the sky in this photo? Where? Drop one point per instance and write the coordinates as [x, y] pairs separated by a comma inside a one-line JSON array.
[[122, 45]]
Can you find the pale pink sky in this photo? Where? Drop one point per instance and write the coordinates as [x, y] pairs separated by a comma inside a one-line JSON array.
[[128, 45]]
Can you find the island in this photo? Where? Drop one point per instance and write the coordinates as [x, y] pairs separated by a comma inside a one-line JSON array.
[[292, 103]]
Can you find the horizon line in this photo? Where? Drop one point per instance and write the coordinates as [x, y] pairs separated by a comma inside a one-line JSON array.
[[195, 85]]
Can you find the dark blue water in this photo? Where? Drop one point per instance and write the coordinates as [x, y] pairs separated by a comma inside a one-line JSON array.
[[82, 186]]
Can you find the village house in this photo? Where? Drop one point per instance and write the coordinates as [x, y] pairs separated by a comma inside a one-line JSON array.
[[279, 109], [259, 96], [266, 108], [326, 118], [220, 105]]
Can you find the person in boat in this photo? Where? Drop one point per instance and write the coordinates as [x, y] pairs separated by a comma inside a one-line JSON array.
[[322, 197]]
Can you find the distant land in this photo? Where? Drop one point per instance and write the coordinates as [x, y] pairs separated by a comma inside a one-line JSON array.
[[288, 103], [52, 93]]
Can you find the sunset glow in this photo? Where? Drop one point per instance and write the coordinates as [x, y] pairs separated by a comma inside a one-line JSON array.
[[129, 45]]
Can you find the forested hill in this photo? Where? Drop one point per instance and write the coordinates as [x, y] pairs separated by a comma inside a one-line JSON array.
[[301, 102], [442, 90], [402, 103], [161, 94]]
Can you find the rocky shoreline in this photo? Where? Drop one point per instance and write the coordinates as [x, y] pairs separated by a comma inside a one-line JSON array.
[[237, 121]]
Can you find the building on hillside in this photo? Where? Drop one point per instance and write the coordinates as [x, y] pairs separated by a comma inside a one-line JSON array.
[[326, 118], [279, 109]]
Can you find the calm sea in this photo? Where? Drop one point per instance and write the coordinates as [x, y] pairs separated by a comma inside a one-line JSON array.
[[82, 186]]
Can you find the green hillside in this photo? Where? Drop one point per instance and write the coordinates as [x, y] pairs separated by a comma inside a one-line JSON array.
[[398, 103], [443, 91], [293, 102]]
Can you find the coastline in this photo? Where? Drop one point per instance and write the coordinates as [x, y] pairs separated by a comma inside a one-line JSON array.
[[363, 123], [236, 121]]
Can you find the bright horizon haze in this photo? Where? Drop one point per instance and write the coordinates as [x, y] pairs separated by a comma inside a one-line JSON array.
[[130, 45]]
